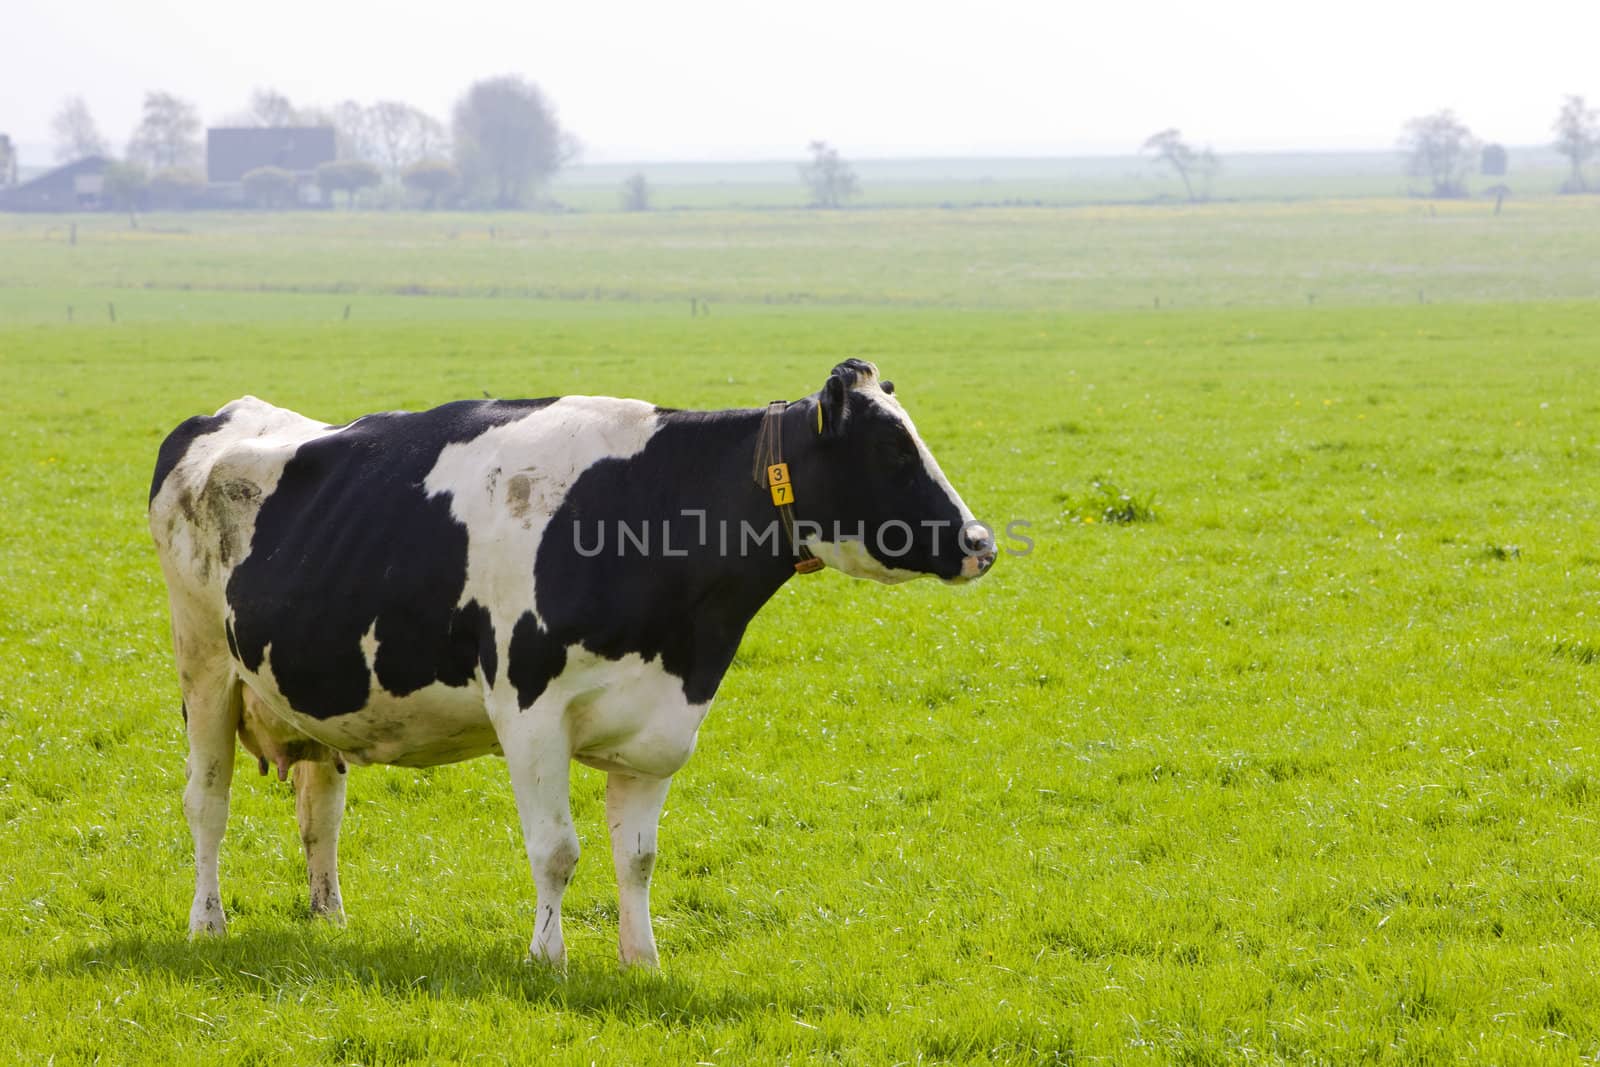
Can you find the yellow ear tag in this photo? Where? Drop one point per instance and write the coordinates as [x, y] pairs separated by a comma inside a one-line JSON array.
[[783, 493], [778, 474], [819, 418]]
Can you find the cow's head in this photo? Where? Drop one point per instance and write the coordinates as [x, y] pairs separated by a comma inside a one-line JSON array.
[[878, 505]]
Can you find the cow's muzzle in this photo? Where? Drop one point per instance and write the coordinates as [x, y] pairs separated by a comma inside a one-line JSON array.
[[978, 550]]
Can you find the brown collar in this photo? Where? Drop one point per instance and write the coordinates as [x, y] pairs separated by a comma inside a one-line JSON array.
[[772, 474]]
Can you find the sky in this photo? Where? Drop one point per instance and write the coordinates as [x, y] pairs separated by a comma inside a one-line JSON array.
[[725, 80]]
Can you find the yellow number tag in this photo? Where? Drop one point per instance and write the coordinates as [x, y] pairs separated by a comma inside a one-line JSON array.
[[778, 474], [783, 494]]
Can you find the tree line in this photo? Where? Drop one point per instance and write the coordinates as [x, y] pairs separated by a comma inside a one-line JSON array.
[[1442, 149], [504, 141]]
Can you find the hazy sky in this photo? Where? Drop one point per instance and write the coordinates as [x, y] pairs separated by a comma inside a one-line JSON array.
[[750, 80]]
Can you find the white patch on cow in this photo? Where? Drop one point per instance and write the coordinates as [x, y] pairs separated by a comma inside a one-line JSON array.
[[628, 714], [436, 724], [369, 647], [211, 498], [852, 557], [506, 483]]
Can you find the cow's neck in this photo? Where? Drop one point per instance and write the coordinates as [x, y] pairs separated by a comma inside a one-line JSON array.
[[721, 460]]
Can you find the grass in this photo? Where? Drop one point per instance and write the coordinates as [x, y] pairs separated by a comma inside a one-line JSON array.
[[1301, 771], [1355, 253]]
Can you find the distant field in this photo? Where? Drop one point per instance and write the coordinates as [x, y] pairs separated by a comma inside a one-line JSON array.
[[1302, 770], [1288, 176], [1354, 252]]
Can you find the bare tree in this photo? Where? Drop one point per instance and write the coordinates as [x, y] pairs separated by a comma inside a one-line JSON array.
[[268, 107], [168, 135], [352, 124], [829, 178], [403, 135], [507, 139], [1191, 165], [1441, 149], [77, 135], [1577, 137]]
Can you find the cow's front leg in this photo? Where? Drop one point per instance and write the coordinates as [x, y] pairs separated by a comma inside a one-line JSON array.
[[319, 807], [633, 808], [540, 765]]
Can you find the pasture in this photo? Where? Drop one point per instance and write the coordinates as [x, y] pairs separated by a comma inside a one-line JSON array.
[[1300, 766]]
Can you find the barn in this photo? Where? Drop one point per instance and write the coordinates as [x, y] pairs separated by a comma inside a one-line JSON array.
[[77, 186], [234, 151]]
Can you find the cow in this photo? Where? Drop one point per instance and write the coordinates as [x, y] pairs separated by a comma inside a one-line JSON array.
[[546, 580]]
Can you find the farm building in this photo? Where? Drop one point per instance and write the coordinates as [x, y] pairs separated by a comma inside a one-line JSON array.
[[74, 187], [234, 151]]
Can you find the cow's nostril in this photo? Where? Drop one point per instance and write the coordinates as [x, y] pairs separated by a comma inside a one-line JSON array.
[[978, 541]]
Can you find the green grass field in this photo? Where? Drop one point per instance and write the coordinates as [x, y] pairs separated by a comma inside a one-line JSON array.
[[1303, 768]]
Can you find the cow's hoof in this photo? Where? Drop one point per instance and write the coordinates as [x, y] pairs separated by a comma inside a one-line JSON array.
[[640, 962], [198, 931], [556, 965], [206, 919]]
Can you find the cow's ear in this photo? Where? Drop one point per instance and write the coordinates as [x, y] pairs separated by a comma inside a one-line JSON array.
[[833, 407]]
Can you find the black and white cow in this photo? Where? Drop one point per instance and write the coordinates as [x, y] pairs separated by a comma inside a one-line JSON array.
[[550, 580]]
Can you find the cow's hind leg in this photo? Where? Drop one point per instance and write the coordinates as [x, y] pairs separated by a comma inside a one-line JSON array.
[[319, 806], [211, 712], [633, 808]]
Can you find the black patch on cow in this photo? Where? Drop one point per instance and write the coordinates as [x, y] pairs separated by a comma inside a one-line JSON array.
[[472, 624], [870, 477], [687, 597], [534, 659], [687, 611], [177, 443], [349, 541]]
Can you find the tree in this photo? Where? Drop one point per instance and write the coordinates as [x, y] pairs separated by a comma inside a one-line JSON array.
[[168, 135], [635, 195], [269, 187], [349, 176], [268, 107], [1441, 149], [507, 139], [352, 125], [1577, 137], [1169, 145], [1494, 161], [8, 161], [124, 186], [176, 188], [433, 178], [829, 178], [402, 134], [77, 136]]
